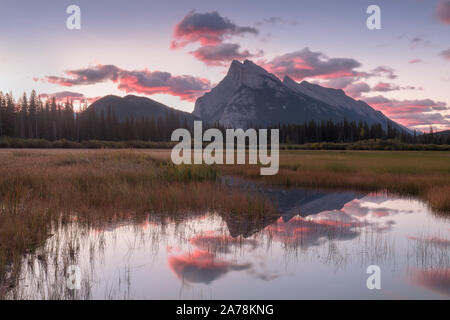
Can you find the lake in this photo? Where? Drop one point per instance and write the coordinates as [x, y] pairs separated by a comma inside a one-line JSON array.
[[319, 247]]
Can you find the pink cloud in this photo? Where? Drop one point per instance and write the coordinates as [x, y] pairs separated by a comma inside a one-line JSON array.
[[413, 113], [356, 89], [305, 232], [432, 240], [308, 64], [445, 54], [443, 11], [211, 241], [384, 86], [202, 267], [136, 81]]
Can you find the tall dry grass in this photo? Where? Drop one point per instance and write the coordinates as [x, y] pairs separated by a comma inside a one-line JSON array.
[[41, 189]]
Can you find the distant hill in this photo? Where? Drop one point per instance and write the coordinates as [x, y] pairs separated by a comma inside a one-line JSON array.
[[443, 133], [439, 137], [138, 107]]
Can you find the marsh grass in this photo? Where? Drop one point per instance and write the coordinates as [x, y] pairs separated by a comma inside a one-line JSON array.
[[41, 189]]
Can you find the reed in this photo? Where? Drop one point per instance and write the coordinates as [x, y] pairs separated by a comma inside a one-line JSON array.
[[42, 189]]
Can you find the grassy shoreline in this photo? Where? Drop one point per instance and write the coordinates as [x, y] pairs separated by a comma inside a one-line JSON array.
[[373, 144]]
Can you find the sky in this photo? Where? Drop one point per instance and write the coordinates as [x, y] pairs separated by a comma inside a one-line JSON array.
[[175, 51]]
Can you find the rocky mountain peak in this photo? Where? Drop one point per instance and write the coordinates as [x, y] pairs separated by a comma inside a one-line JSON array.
[[249, 73], [251, 95]]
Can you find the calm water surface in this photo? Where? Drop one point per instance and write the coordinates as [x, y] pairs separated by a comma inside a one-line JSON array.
[[319, 247]]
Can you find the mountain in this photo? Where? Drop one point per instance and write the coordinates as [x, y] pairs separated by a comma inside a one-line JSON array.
[[444, 133], [139, 107], [249, 95]]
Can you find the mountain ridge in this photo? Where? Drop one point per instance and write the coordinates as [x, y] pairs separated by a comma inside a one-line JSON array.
[[248, 96], [136, 106]]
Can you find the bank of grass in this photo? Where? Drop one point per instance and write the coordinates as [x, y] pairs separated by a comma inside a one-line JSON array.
[[415, 173], [18, 143], [40, 189], [372, 144]]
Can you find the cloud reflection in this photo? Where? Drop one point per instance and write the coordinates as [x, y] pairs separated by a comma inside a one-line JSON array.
[[202, 267]]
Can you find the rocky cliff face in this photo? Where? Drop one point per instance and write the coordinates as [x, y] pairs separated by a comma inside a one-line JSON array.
[[249, 95]]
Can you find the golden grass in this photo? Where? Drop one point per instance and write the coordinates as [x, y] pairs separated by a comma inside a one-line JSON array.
[[42, 189]]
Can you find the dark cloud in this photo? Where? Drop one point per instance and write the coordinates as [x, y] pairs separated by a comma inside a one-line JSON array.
[[383, 71], [384, 86], [208, 28], [85, 76], [420, 40], [338, 83], [356, 89], [272, 21], [443, 11], [222, 54], [445, 54], [138, 81]]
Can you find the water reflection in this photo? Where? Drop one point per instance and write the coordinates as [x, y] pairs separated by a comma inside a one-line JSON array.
[[318, 247], [202, 266]]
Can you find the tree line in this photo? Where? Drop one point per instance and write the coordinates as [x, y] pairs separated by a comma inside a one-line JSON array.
[[31, 118], [351, 131]]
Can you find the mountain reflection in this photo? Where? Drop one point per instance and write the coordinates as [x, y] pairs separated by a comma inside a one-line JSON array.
[[307, 218], [290, 203], [300, 232]]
